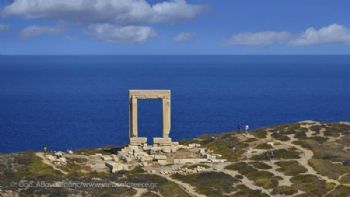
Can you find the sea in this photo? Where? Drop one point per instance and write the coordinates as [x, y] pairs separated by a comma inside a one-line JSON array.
[[71, 102]]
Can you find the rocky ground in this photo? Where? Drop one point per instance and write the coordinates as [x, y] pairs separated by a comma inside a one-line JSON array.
[[301, 159]]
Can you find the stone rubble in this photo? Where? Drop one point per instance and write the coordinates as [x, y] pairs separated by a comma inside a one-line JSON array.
[[164, 152], [56, 158], [150, 155]]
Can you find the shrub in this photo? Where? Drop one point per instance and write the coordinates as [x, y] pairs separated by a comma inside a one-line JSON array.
[[329, 169], [311, 184], [290, 153], [244, 191], [300, 135], [290, 168], [345, 179], [279, 136], [260, 165], [264, 146], [227, 145], [328, 150], [331, 133], [259, 133], [209, 183], [261, 178], [150, 194], [340, 191], [251, 139], [319, 139], [28, 164], [163, 186], [284, 190]]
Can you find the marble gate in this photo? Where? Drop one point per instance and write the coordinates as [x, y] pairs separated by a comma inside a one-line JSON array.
[[134, 95]]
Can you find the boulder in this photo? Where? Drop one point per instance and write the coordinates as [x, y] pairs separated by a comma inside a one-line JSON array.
[[160, 157], [162, 162]]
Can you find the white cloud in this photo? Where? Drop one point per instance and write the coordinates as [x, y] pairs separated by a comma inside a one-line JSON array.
[[4, 27], [35, 30], [331, 34], [184, 36], [117, 34], [71, 38], [264, 38], [104, 11], [176, 10], [108, 19]]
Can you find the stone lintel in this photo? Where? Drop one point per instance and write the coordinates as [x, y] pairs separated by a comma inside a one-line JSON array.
[[162, 162], [158, 157], [149, 94], [138, 141], [162, 141]]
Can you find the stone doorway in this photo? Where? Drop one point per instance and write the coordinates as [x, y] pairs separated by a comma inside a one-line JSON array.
[[165, 96]]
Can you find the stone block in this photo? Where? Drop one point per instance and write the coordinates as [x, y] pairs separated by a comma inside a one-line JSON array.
[[127, 159], [148, 158], [59, 154], [162, 141], [218, 160], [146, 147], [139, 154], [62, 160], [173, 149], [138, 141], [107, 157], [160, 157], [115, 166], [115, 158], [162, 162], [166, 149], [191, 145], [202, 150], [191, 161], [155, 149], [51, 157]]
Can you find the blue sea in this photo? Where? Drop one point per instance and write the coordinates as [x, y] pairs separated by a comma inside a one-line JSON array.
[[69, 102]]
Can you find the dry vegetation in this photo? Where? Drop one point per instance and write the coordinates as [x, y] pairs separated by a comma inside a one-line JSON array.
[[301, 159]]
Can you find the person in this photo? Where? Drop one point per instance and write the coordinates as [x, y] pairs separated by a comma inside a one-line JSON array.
[[246, 127], [45, 149], [272, 155]]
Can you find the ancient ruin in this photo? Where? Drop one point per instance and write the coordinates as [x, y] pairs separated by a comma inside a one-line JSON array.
[[163, 151], [171, 156], [134, 95]]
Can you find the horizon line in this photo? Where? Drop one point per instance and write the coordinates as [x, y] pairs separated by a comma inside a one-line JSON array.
[[174, 54]]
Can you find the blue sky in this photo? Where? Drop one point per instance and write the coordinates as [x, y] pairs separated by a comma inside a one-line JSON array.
[[174, 27]]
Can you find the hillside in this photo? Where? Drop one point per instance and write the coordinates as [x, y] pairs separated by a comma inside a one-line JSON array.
[[301, 159]]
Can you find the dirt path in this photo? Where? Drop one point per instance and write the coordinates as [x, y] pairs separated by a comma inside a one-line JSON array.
[[140, 191], [304, 160], [340, 177], [186, 187], [285, 179], [248, 183]]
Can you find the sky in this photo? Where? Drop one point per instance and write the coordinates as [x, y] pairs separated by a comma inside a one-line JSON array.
[[172, 27]]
